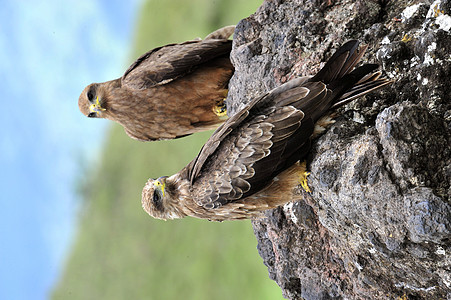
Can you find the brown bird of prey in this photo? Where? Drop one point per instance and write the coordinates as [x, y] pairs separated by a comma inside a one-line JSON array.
[[169, 92], [251, 162]]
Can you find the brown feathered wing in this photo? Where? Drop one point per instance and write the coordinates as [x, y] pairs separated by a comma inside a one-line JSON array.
[[252, 147], [165, 64]]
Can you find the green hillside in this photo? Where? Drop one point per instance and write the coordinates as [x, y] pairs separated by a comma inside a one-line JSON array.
[[122, 253]]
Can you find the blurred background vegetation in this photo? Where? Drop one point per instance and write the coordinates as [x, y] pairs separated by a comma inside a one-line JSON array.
[[122, 253]]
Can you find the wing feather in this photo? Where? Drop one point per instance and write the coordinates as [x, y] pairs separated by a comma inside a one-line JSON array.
[[165, 64], [247, 158]]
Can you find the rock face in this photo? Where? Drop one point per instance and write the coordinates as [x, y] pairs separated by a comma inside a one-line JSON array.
[[378, 222]]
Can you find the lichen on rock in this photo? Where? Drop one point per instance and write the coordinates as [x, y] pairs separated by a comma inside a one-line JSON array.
[[378, 222]]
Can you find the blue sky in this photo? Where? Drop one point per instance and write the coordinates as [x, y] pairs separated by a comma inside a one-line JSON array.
[[50, 50]]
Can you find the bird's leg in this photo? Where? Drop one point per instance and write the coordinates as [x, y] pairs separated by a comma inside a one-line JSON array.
[[303, 177], [220, 108]]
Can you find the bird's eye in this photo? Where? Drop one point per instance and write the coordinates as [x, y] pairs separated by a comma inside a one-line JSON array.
[[90, 95], [92, 115]]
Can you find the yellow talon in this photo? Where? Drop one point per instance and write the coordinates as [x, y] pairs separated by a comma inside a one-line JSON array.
[[304, 182], [406, 38], [220, 109], [303, 177]]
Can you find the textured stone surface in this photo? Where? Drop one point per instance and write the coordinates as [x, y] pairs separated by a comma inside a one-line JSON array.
[[378, 222]]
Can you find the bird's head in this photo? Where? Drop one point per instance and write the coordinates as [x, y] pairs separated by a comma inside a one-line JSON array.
[[91, 101], [159, 200]]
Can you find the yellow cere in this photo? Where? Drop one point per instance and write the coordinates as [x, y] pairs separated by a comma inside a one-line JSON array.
[[96, 106], [157, 183]]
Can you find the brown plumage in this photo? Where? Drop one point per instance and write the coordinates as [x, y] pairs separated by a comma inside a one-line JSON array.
[[251, 162], [169, 92]]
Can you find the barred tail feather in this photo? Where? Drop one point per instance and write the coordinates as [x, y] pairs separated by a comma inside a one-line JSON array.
[[362, 88], [341, 62], [343, 82]]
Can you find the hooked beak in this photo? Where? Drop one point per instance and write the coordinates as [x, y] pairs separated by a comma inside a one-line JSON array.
[[160, 183], [96, 107]]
